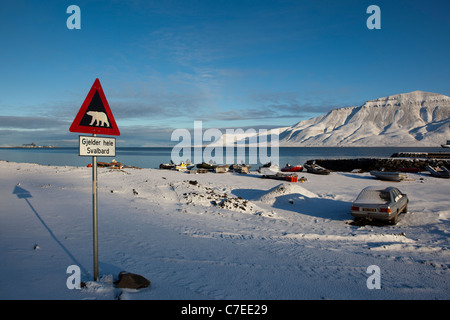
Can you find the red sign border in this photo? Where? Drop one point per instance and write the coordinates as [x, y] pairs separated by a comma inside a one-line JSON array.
[[75, 127]]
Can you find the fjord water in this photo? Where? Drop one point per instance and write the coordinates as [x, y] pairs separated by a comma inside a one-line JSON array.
[[152, 157]]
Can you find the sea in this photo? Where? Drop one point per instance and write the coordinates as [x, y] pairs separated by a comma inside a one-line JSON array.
[[152, 157]]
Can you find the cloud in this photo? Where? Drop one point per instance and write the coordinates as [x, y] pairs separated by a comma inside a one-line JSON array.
[[274, 106], [148, 107], [31, 123], [145, 136]]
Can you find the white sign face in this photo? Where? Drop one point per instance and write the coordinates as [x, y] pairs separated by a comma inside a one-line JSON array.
[[97, 146]]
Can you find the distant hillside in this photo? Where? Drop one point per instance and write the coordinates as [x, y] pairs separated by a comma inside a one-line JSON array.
[[411, 119]]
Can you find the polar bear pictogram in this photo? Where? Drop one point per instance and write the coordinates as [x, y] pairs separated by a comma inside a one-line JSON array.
[[99, 118]]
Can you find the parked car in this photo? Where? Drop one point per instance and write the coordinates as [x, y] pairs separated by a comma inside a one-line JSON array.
[[380, 203]]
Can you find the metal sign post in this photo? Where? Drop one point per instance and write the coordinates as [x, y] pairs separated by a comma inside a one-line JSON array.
[[92, 146], [94, 210]]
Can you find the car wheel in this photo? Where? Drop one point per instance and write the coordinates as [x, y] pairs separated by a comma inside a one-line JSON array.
[[394, 220], [405, 210]]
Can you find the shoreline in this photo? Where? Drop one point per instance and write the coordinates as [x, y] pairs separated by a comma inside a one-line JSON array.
[[364, 164]]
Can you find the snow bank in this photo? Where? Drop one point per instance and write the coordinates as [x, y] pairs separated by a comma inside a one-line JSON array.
[[287, 192]]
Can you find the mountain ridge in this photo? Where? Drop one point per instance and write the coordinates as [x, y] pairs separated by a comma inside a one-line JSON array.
[[416, 118]]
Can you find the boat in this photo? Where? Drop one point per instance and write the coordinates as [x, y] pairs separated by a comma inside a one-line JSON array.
[[190, 165], [221, 169], [180, 167], [168, 166], [269, 169], [240, 168], [316, 169], [289, 168], [388, 175], [281, 176], [244, 169], [184, 166], [447, 145], [110, 165], [441, 172], [205, 165]]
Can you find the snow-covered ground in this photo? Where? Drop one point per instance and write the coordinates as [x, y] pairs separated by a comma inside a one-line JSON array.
[[217, 236]]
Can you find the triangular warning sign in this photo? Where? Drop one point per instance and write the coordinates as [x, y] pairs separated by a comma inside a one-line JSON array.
[[95, 116]]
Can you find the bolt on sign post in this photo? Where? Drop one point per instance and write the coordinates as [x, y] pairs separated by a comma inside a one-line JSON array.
[[95, 117]]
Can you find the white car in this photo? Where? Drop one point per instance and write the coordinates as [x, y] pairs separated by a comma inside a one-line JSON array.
[[380, 204]]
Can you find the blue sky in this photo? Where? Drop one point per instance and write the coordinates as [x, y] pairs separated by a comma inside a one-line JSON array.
[[231, 64]]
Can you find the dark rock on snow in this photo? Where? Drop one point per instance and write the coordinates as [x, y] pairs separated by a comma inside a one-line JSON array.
[[131, 281]]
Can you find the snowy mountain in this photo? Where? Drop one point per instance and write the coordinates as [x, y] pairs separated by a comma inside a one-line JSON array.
[[412, 119]]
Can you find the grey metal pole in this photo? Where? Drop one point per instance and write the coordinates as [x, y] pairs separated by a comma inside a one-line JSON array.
[[95, 218]]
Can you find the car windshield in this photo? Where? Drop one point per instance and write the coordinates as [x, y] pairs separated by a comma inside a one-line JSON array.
[[374, 196]]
